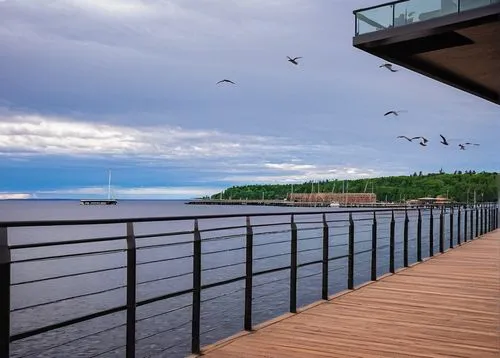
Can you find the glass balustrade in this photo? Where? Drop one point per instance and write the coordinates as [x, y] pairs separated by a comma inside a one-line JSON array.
[[404, 12]]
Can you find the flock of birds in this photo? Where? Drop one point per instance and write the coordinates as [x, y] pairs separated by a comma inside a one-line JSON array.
[[423, 141], [444, 141]]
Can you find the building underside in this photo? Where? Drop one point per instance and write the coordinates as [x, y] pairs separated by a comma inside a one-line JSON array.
[[456, 42]]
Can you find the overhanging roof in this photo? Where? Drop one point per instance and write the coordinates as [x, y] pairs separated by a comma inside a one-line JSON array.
[[460, 48]]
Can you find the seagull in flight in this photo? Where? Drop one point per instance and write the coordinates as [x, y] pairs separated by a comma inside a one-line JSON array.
[[293, 60], [468, 143], [226, 81], [462, 146], [424, 140], [408, 139], [396, 113], [422, 144], [443, 141], [388, 66]]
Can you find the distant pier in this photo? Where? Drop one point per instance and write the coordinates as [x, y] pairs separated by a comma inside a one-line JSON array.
[[287, 203], [98, 202]]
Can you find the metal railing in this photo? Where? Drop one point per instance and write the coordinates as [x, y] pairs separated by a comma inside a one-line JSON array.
[[329, 228], [403, 12]]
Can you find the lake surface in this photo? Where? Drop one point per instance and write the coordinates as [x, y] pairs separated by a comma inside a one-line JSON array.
[[165, 266]]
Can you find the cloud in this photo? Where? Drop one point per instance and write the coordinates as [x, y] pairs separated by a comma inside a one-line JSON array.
[[291, 173], [14, 196], [32, 134], [35, 134], [289, 166], [113, 7]]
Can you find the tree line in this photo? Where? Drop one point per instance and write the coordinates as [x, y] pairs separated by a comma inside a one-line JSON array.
[[459, 186]]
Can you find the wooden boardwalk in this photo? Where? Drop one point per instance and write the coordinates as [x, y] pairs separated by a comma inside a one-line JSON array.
[[448, 306]]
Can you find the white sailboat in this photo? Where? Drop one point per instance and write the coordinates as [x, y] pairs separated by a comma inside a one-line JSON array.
[[108, 201]]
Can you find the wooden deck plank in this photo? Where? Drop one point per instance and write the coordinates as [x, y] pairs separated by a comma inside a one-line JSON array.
[[448, 306]]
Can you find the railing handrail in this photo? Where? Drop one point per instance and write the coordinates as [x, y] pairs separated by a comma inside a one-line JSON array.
[[75, 222], [394, 2]]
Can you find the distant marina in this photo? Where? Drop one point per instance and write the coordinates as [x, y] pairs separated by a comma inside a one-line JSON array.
[[332, 200], [315, 204]]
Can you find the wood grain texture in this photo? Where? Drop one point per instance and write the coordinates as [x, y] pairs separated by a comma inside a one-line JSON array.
[[448, 306]]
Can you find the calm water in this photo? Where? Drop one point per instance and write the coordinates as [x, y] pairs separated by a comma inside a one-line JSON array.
[[163, 328]]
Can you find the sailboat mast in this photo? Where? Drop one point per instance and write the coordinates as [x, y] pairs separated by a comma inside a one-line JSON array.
[[109, 184]]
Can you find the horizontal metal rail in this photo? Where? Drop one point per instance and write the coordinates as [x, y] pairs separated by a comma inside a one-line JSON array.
[[42, 223]]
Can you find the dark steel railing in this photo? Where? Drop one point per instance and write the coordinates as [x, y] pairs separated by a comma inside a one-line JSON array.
[[486, 219]]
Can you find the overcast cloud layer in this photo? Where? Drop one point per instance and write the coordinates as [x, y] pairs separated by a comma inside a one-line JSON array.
[[130, 85]]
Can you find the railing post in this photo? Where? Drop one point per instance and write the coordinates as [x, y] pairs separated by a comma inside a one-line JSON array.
[[465, 225], [356, 24], [431, 233], [326, 236], [350, 268], [494, 224], [374, 247], [471, 224], [493, 218], [490, 220], [459, 225], [293, 268], [487, 218], [481, 220], [393, 15], [441, 231], [131, 290], [451, 228], [405, 241], [392, 244], [484, 219], [249, 276], [477, 221], [196, 309], [419, 236], [5, 293]]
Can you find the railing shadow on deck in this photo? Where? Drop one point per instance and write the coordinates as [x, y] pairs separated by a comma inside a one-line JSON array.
[[40, 318]]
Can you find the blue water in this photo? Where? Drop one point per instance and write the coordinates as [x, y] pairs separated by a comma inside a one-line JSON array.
[[163, 328]]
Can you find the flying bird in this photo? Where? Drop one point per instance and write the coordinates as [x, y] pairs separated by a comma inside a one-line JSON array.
[[227, 81], [388, 66], [425, 140], [396, 113], [443, 141], [468, 143], [423, 144], [408, 139], [462, 146], [293, 60]]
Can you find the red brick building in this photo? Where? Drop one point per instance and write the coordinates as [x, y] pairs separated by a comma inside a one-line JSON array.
[[346, 198]]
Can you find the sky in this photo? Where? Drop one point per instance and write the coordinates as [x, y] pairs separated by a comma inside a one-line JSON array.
[[88, 86]]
